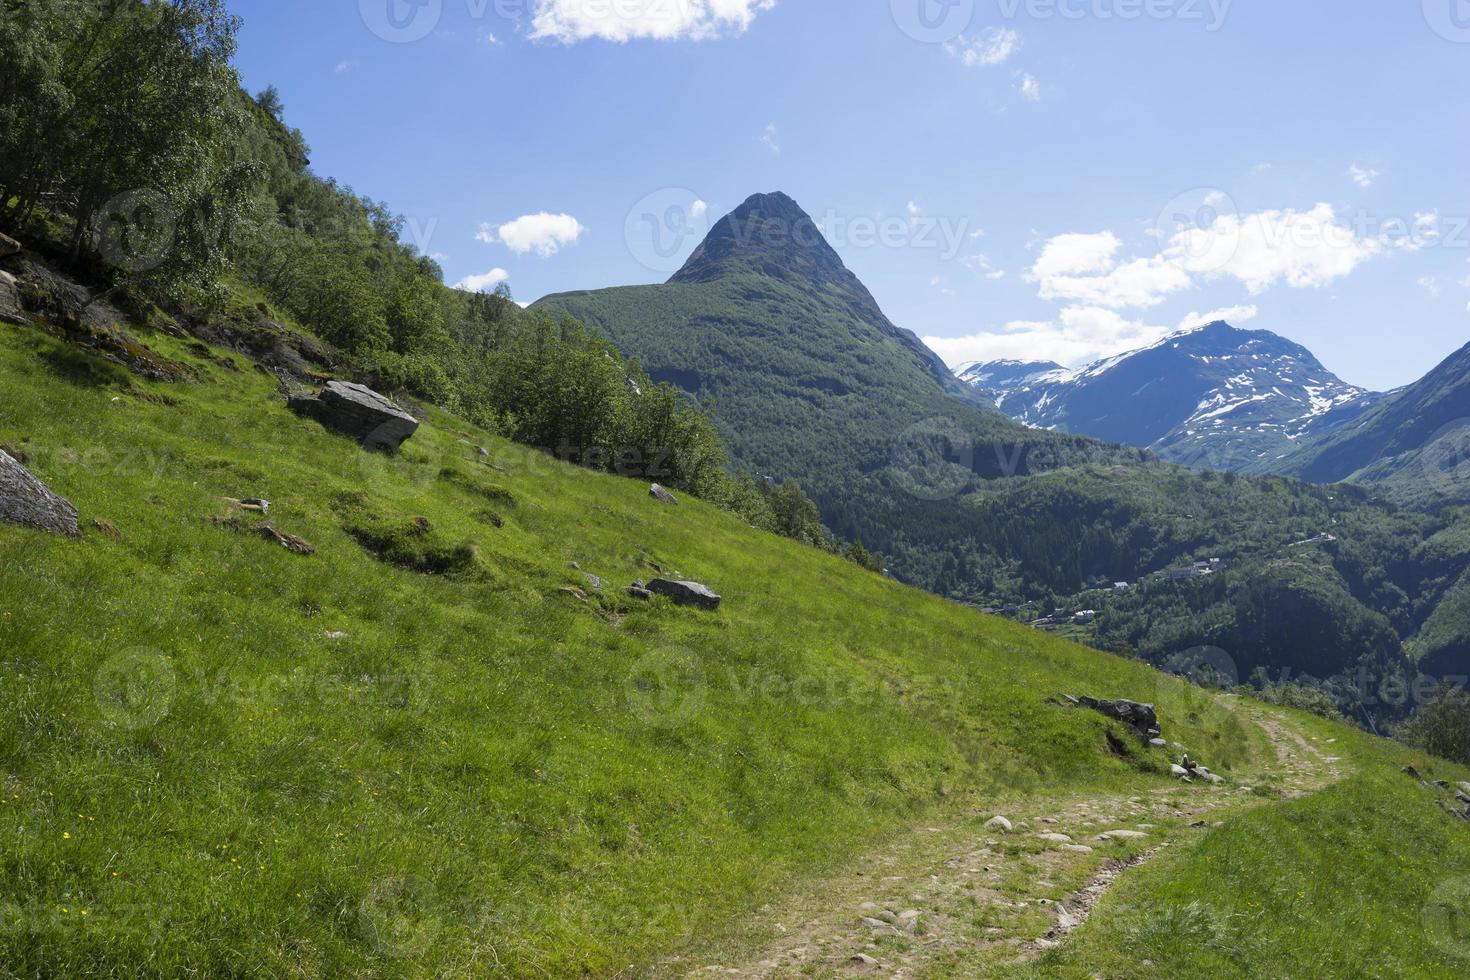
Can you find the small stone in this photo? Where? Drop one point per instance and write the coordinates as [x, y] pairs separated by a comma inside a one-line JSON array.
[[8, 246], [1123, 835], [594, 582], [863, 959], [1055, 838], [257, 505], [661, 495], [1158, 743], [293, 544], [336, 635], [638, 593], [1077, 848], [1178, 770], [998, 823]]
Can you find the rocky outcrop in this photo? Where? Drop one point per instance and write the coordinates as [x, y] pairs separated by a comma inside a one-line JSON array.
[[1140, 717], [10, 308], [358, 411], [685, 593], [8, 246], [661, 495], [26, 501]]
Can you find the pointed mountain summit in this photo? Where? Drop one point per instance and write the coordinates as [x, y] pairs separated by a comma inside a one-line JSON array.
[[769, 235], [806, 370], [1213, 396]]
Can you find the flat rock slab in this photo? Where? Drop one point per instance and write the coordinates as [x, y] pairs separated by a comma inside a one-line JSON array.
[[661, 495], [358, 411], [685, 593], [26, 501]]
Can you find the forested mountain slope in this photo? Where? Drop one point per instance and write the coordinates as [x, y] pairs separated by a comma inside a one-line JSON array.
[[808, 379]]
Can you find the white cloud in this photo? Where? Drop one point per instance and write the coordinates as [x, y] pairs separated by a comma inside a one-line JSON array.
[[1081, 335], [490, 39], [570, 21], [541, 233], [1077, 254], [771, 138], [345, 66], [698, 208], [992, 48], [1029, 87], [1430, 284], [914, 209], [1082, 268], [1363, 176], [1300, 248], [1233, 315], [485, 283]]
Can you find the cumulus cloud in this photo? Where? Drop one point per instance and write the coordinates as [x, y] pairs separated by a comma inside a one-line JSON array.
[[1299, 248], [570, 21], [1029, 87], [698, 208], [484, 283], [1303, 249], [542, 233], [1079, 335], [994, 47], [1083, 268]]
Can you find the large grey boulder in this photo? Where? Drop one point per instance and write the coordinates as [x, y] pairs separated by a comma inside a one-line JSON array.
[[10, 308], [685, 593], [359, 412], [8, 246], [26, 501], [1140, 717]]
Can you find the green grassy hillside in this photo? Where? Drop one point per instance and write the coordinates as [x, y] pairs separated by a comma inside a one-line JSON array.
[[227, 758]]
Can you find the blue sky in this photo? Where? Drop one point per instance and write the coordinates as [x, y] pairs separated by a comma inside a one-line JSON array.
[[1055, 179]]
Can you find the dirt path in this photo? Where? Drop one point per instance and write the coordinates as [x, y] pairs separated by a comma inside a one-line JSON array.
[[970, 894]]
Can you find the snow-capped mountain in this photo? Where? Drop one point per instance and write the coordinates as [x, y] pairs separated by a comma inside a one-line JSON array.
[[1213, 396], [993, 379]]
